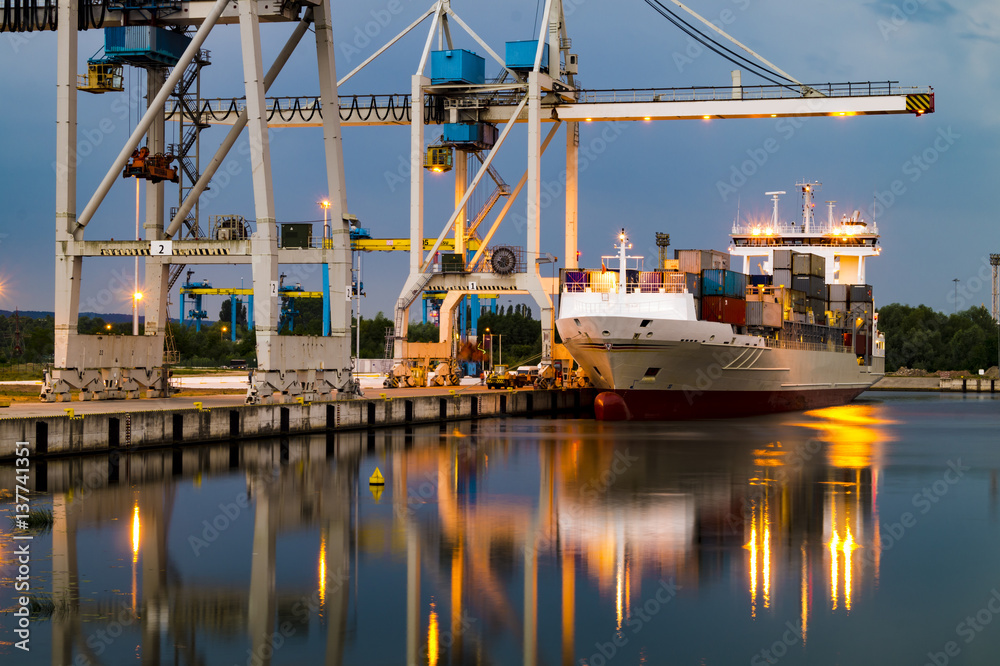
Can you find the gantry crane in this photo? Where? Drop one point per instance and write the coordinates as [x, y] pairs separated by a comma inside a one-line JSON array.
[[310, 366], [537, 85]]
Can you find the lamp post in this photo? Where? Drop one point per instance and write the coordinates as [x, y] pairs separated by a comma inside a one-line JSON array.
[[136, 297], [956, 281], [325, 204], [222, 333]]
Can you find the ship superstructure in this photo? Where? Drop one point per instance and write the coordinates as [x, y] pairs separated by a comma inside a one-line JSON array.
[[693, 339]]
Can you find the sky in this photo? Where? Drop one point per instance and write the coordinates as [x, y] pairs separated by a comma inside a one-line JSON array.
[[930, 181]]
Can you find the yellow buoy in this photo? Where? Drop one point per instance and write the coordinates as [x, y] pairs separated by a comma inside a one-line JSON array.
[[376, 478]]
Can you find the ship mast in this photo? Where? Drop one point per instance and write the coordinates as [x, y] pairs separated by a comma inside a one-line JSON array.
[[622, 283]]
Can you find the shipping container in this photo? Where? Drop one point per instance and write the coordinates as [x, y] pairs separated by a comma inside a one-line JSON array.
[[725, 309], [817, 305], [603, 281], [457, 66], [760, 280], [720, 282], [838, 306], [674, 283], [576, 281], [817, 265], [693, 283], [798, 300], [782, 260], [801, 264], [861, 293], [801, 283], [760, 313], [817, 288], [671, 265], [812, 285], [650, 282], [695, 261], [836, 292], [782, 278]]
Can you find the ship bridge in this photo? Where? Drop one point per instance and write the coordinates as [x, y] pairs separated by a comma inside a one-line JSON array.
[[845, 242]]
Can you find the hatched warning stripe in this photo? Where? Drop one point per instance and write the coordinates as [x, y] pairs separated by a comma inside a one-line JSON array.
[[202, 251], [920, 103], [124, 252]]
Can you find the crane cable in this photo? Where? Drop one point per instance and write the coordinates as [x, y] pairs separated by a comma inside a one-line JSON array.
[[708, 42]]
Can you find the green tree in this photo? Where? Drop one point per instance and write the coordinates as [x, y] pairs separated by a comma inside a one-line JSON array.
[[422, 332], [226, 312]]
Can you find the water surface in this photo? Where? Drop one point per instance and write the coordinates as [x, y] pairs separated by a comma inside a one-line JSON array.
[[863, 534]]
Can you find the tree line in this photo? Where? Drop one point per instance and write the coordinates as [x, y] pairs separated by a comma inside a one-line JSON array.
[[921, 338], [916, 337]]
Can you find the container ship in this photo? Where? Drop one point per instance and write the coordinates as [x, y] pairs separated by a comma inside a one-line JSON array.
[[693, 339]]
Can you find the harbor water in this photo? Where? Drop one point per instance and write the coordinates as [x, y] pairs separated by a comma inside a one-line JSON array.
[[862, 534]]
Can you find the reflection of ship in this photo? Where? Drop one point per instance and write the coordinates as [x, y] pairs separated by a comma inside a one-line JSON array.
[[692, 339], [483, 525]]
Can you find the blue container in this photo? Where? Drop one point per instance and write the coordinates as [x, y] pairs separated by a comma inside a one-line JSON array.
[[720, 282], [457, 66], [521, 55], [480, 135], [141, 45], [760, 280]]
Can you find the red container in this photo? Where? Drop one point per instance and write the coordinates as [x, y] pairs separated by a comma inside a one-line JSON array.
[[725, 309]]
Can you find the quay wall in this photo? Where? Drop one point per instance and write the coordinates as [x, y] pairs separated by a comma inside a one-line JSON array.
[[970, 385], [103, 432]]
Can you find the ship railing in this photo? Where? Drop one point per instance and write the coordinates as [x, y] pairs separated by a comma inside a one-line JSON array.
[[606, 282], [806, 346], [621, 307]]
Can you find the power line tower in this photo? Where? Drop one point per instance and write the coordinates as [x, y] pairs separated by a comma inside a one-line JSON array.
[[995, 285]]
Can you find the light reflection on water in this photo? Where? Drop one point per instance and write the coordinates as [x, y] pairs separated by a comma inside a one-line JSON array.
[[519, 541]]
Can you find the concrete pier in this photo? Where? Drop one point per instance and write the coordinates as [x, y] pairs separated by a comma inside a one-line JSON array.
[[968, 385], [63, 430]]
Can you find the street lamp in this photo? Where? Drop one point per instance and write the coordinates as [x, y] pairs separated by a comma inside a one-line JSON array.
[[325, 204], [136, 297], [108, 327], [222, 333]]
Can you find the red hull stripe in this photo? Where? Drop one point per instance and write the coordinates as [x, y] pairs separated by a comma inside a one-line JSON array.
[[680, 405]]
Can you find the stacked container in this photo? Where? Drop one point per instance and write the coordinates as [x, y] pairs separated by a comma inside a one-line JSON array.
[[837, 297], [603, 281], [724, 309], [696, 261], [782, 268], [764, 313], [576, 281], [721, 282], [650, 282]]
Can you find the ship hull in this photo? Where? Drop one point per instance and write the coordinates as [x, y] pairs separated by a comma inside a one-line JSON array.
[[665, 369], [653, 405]]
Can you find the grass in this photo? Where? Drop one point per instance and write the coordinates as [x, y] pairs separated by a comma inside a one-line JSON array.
[[23, 394], [40, 518], [21, 371]]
